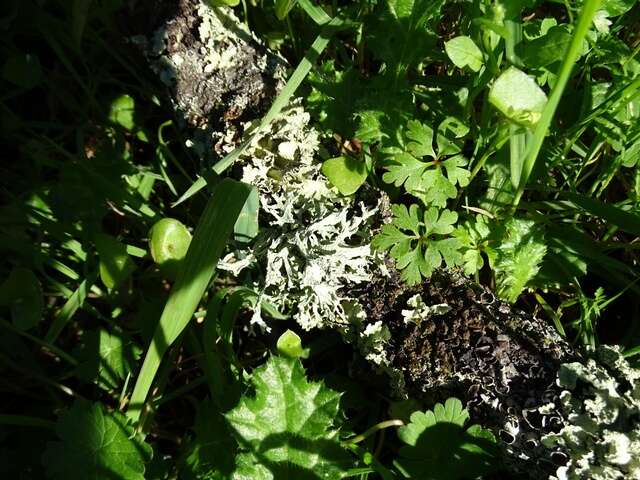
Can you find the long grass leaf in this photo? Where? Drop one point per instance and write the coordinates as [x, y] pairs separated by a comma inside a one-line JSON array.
[[626, 221], [209, 239], [584, 23]]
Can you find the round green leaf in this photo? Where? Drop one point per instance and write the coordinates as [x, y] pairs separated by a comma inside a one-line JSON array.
[[115, 263], [463, 52], [169, 241], [346, 173], [122, 112], [518, 97]]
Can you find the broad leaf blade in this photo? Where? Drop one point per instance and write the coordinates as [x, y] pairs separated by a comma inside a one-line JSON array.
[[95, 444], [287, 429]]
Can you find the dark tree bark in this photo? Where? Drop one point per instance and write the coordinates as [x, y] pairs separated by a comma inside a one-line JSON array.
[[501, 362]]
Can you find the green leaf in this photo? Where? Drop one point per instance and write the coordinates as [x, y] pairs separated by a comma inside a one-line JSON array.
[[23, 70], [169, 241], [416, 243], [115, 264], [463, 52], [95, 444], [287, 430], [518, 97], [289, 345], [283, 7], [21, 291], [617, 7], [122, 111], [209, 239], [400, 35], [346, 173], [547, 49], [439, 448], [425, 179], [247, 227], [421, 139], [627, 221], [107, 358], [210, 455], [519, 256], [474, 240]]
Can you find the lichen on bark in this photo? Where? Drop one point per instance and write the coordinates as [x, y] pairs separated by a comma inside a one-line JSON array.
[[500, 361], [218, 74]]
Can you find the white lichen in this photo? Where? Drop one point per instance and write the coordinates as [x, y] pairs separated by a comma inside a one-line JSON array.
[[420, 311], [313, 243], [372, 342], [602, 415]]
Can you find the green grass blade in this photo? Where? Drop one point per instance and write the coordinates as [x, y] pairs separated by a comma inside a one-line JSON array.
[[584, 23], [299, 74], [209, 239], [69, 309], [626, 221], [316, 13]]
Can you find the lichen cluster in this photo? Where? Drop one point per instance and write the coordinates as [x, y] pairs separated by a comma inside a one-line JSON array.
[[601, 403], [312, 243], [217, 72]]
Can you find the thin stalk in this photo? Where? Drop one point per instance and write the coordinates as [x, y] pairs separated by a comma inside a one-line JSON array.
[[374, 429], [584, 23]]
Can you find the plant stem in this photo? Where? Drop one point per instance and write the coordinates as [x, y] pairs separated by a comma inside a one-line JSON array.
[[584, 22]]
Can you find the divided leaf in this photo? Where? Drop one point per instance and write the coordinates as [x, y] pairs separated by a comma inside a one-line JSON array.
[[519, 256], [95, 444], [425, 179], [438, 447], [414, 240], [287, 430]]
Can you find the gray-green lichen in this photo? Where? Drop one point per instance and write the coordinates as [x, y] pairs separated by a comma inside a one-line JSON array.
[[313, 243], [217, 72], [601, 403], [419, 311]]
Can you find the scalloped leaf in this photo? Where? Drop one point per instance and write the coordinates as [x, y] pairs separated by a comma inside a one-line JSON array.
[[95, 444], [287, 429], [438, 447]]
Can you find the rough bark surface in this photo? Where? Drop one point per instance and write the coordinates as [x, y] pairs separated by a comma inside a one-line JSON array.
[[217, 73], [501, 362]]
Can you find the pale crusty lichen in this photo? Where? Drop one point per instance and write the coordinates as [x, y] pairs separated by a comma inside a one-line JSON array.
[[601, 404], [313, 243], [218, 73], [419, 311]]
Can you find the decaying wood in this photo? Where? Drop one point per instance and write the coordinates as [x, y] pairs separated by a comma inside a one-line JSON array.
[[500, 361], [218, 75]]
